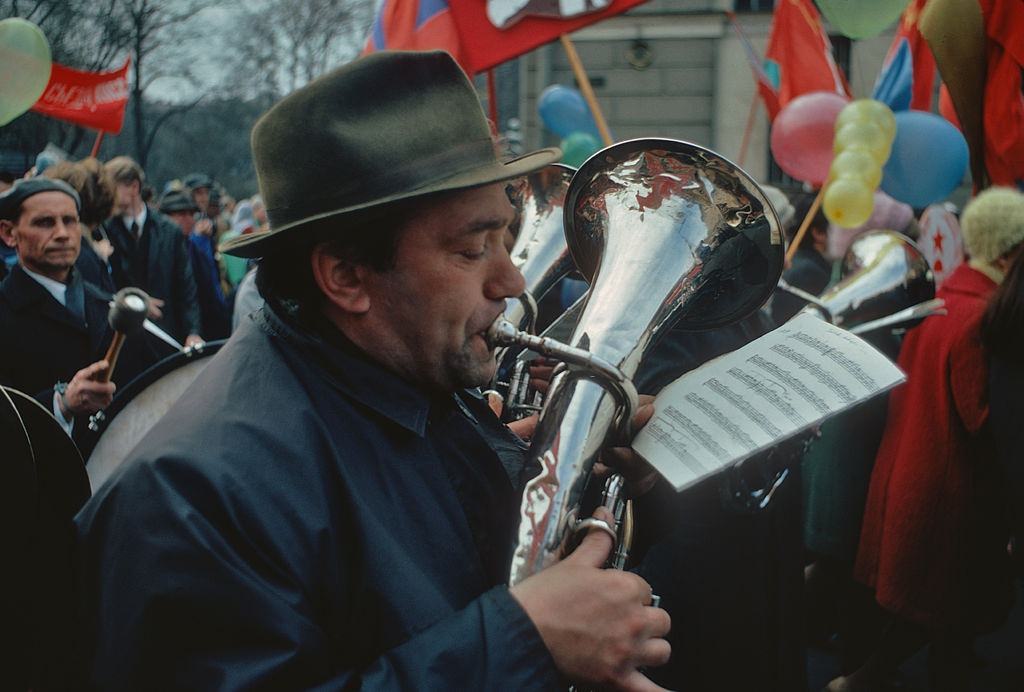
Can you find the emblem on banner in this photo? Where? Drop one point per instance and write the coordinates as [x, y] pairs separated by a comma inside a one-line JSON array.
[[941, 241], [505, 13]]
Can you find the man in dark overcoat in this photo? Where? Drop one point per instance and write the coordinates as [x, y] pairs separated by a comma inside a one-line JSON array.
[[150, 253], [53, 325], [325, 507]]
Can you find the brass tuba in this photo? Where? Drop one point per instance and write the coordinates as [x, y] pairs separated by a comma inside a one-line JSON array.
[[542, 257], [666, 232], [540, 252], [886, 282]]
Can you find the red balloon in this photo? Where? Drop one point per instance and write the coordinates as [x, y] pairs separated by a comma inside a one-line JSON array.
[[802, 135]]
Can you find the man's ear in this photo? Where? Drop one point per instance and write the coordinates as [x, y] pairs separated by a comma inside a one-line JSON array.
[[7, 232], [342, 282]]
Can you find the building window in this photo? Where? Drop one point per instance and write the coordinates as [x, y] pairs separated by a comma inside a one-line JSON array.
[[755, 5]]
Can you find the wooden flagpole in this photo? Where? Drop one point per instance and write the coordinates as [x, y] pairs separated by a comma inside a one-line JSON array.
[[492, 101], [585, 88], [802, 231], [751, 114], [97, 143]]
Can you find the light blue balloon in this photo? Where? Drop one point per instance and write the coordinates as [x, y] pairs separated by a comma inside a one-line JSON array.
[[928, 160], [564, 111]]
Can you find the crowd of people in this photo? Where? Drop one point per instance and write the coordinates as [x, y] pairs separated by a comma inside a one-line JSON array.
[[334, 504]]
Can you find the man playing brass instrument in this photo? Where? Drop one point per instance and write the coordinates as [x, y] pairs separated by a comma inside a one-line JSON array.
[[325, 508]]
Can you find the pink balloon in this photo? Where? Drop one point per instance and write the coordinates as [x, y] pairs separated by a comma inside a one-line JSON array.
[[802, 135]]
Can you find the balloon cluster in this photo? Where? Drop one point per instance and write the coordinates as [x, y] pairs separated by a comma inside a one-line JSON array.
[[564, 111], [802, 134], [25, 71], [864, 133]]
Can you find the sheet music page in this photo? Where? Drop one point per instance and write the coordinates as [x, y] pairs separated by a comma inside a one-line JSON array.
[[753, 398]]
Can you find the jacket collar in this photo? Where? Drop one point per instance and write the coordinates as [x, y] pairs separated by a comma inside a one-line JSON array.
[[967, 280], [23, 291], [354, 373]]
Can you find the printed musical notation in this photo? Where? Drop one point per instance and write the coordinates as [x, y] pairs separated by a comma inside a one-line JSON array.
[[759, 395]]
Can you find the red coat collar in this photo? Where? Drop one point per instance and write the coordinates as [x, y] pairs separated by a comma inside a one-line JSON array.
[[967, 280]]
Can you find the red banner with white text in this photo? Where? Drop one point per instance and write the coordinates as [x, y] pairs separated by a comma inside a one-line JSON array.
[[493, 31], [91, 99]]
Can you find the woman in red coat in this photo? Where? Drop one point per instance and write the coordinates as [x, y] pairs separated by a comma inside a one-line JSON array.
[[933, 542]]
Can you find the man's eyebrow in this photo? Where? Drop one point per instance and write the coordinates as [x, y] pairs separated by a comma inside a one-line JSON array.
[[482, 225]]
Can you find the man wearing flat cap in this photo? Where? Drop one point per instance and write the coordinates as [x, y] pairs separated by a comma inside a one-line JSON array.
[[53, 325], [325, 508], [214, 318]]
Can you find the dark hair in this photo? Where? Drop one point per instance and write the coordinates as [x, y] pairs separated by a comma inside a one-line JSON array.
[[1002, 326], [94, 185], [285, 278], [800, 209]]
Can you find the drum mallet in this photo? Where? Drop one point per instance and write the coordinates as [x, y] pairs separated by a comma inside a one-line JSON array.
[[128, 311]]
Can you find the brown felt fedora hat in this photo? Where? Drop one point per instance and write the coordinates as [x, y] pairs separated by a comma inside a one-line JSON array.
[[387, 127]]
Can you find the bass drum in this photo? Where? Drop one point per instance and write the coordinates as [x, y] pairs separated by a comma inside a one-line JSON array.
[[139, 405], [44, 487]]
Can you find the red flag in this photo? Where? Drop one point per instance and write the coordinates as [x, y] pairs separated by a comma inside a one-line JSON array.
[[414, 25], [1004, 91], [765, 86], [493, 31], [91, 99], [800, 53]]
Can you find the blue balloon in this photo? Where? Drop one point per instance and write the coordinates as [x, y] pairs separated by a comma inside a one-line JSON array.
[[564, 111], [928, 160]]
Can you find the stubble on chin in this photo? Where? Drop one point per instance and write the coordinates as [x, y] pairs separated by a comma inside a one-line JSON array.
[[467, 369]]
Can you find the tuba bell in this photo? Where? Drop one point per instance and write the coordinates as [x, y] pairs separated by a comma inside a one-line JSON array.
[[666, 232], [540, 253], [542, 257], [886, 282]]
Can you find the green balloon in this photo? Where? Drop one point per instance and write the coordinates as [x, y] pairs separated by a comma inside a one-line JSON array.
[[577, 148], [25, 56], [861, 18]]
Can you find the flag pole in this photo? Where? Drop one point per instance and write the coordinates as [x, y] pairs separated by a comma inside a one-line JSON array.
[[96, 144], [585, 88], [745, 142], [492, 100], [802, 231]]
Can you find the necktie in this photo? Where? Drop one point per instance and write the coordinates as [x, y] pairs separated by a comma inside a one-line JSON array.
[[74, 297], [135, 231]]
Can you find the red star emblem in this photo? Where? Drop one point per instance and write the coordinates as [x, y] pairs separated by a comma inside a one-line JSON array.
[[937, 241]]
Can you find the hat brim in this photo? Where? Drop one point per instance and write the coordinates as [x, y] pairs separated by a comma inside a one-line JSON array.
[[260, 244]]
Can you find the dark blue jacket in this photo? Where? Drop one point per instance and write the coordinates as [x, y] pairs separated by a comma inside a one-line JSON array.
[[304, 519], [213, 309]]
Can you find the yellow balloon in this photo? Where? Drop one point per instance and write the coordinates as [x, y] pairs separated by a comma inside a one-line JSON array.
[[868, 111], [26, 64], [866, 136], [856, 162], [848, 202]]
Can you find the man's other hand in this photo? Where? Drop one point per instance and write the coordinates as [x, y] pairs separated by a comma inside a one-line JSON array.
[[640, 476], [597, 623], [193, 340], [88, 391], [155, 312]]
